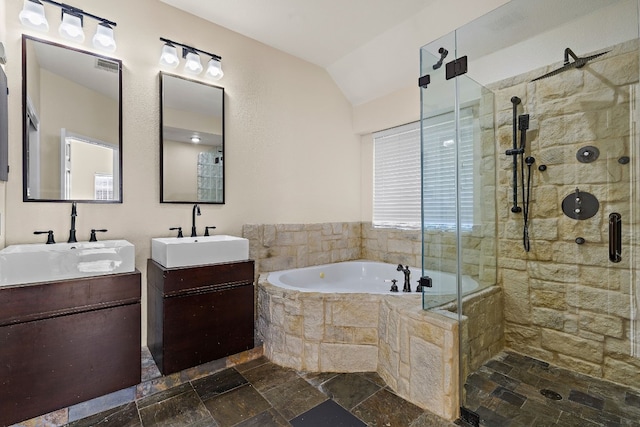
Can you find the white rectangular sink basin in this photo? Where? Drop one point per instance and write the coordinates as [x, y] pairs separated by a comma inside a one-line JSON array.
[[172, 252], [39, 262]]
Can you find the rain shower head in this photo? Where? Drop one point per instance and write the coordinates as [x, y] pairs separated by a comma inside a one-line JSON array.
[[577, 63]]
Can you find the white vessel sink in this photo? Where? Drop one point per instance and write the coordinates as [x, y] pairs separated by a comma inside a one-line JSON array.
[[173, 252], [39, 262]]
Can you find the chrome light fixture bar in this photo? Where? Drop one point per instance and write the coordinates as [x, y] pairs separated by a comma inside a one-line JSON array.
[[169, 58], [33, 16]]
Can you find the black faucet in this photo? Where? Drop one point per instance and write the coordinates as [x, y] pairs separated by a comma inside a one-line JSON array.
[[72, 232], [196, 211], [407, 274], [93, 237], [49, 233], [179, 230]]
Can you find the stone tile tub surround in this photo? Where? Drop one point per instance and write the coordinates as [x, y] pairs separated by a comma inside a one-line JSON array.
[[415, 351], [567, 304], [277, 247]]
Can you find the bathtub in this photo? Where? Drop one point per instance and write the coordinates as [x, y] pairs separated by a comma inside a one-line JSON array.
[[342, 318], [364, 277]]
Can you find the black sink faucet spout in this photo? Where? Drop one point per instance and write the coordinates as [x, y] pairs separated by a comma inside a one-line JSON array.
[[72, 232], [195, 211]]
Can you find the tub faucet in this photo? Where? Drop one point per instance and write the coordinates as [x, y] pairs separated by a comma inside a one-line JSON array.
[[72, 232], [407, 275], [194, 212]]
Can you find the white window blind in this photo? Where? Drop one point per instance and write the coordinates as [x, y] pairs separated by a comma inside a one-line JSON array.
[[396, 182], [397, 177]]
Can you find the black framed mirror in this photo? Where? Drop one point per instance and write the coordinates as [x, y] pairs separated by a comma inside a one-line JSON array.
[[191, 141], [72, 124]]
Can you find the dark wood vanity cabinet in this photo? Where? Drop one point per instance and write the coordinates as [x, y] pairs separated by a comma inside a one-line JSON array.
[[66, 342], [199, 314]]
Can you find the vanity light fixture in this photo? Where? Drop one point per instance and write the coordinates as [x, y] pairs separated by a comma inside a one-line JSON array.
[[169, 58], [33, 16], [195, 139]]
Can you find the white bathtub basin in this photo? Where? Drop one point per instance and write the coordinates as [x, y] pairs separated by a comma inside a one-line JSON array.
[[31, 263], [172, 252]]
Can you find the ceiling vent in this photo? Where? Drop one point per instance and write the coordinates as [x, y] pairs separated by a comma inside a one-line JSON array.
[[110, 66]]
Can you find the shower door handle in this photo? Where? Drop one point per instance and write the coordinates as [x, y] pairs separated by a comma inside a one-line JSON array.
[[615, 237]]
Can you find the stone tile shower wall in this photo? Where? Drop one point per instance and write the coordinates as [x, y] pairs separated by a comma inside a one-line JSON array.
[[567, 303]]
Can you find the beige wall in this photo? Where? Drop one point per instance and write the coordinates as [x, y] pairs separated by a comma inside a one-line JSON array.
[[292, 150], [291, 155], [3, 39]]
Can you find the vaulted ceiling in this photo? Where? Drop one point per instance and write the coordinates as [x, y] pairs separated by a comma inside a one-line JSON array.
[[369, 47]]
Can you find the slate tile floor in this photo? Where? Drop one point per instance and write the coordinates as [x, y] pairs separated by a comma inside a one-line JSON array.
[[506, 391], [261, 394]]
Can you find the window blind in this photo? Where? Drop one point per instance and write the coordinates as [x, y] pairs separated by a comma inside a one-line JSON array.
[[396, 183], [397, 175]]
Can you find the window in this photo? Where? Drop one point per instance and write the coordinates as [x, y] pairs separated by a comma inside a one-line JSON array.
[[396, 198]]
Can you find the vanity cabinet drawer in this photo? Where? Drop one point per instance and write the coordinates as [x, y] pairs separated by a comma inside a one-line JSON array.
[[23, 303], [175, 281]]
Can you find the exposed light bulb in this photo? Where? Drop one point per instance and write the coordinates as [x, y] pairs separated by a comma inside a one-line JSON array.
[[195, 139]]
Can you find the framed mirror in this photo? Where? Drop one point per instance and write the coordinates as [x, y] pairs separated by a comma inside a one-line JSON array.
[[72, 124], [191, 141]]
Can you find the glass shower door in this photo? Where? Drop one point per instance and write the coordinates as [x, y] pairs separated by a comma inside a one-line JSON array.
[[545, 202], [458, 201]]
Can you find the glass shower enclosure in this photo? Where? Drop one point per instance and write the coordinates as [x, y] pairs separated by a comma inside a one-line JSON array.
[[530, 184]]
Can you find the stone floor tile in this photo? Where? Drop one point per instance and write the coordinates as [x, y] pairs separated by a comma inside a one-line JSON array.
[[431, 420], [252, 364], [490, 418], [317, 378], [509, 396], [349, 390], [269, 375], [328, 413], [218, 383], [235, 406], [498, 366], [184, 409], [481, 382], [385, 408], [632, 399], [164, 395], [373, 377], [294, 397], [571, 420], [269, 418], [585, 399], [504, 381], [121, 416]]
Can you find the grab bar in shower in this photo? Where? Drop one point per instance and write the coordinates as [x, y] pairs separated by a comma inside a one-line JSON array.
[[615, 237]]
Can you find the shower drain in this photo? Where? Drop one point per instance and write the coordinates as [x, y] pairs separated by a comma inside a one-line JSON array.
[[550, 394]]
